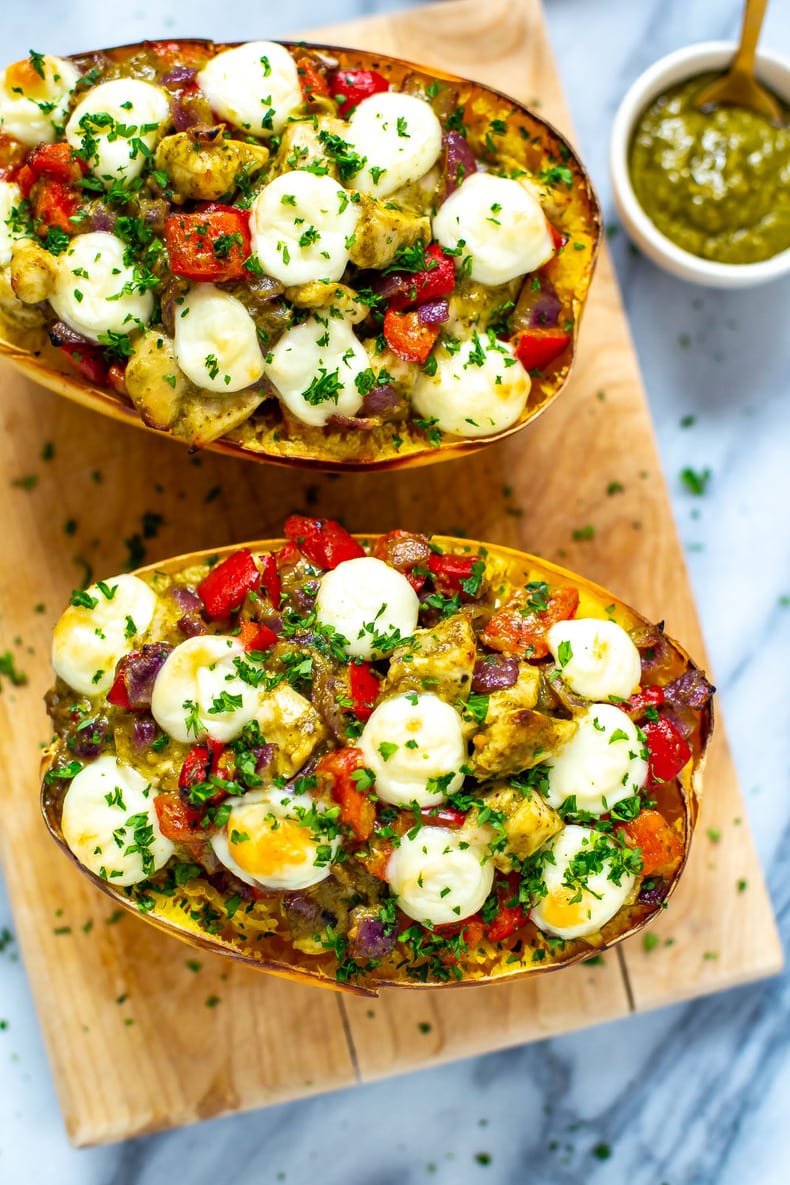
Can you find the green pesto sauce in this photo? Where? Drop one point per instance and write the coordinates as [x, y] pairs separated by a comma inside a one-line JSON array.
[[717, 183]]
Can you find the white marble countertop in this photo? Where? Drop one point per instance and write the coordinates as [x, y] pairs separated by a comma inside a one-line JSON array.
[[694, 1095]]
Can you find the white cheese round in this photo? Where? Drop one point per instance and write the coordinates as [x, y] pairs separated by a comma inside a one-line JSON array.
[[400, 139], [10, 197], [478, 390], [436, 880], [90, 288], [116, 126], [579, 905], [302, 228], [368, 603], [596, 658], [91, 638], [603, 762], [108, 809], [34, 96], [216, 343], [499, 224], [415, 746], [198, 692], [314, 368], [272, 838], [255, 86]]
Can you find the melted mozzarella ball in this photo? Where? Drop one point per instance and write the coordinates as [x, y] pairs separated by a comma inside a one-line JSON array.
[[602, 763], [596, 658], [302, 228], [366, 600], [216, 344], [599, 897], [499, 224], [400, 138], [274, 838], [313, 368], [480, 389], [415, 746], [108, 809], [255, 86], [436, 880], [198, 690], [109, 125], [90, 638], [34, 96], [10, 197], [89, 288]]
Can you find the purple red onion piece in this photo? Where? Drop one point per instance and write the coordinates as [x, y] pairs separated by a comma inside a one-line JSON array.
[[264, 756], [653, 892], [690, 690], [141, 670], [545, 313], [459, 161], [186, 599], [143, 733], [61, 334], [88, 741], [372, 940], [358, 423], [178, 76], [184, 116], [191, 625], [380, 400], [434, 312], [494, 674], [102, 220]]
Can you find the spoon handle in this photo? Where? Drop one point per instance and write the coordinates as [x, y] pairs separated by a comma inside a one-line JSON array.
[[752, 23]]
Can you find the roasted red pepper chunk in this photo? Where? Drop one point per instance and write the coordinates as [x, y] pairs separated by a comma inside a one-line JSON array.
[[195, 767], [224, 589], [365, 688], [322, 541], [350, 87], [442, 816], [451, 572], [536, 348], [668, 749], [435, 280], [311, 79], [178, 821], [211, 244], [520, 631], [118, 696], [270, 579], [407, 337], [642, 700], [256, 637], [356, 809], [87, 360], [511, 915], [660, 844]]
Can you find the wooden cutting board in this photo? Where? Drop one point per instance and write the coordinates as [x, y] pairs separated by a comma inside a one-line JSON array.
[[190, 1036]]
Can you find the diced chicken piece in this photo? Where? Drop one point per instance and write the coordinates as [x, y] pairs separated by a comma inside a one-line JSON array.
[[528, 821], [440, 660], [154, 380], [382, 230], [321, 294], [20, 315], [33, 272], [514, 737], [301, 146], [290, 722], [203, 165]]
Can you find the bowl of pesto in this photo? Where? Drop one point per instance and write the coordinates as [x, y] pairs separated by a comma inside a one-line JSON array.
[[705, 195]]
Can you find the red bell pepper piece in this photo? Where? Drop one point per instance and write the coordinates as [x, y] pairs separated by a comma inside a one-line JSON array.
[[287, 556], [224, 589], [518, 631], [407, 337], [178, 821], [437, 279], [641, 700], [210, 245], [669, 750], [536, 348], [118, 695], [511, 915], [270, 579], [356, 809], [660, 844], [450, 572], [322, 541], [57, 160], [365, 688], [350, 87], [442, 816], [55, 203], [87, 360], [311, 79], [557, 237], [195, 767], [254, 636]]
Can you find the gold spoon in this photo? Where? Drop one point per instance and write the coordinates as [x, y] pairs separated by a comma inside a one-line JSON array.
[[739, 86]]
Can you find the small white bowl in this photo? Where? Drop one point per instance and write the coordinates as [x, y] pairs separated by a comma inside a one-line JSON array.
[[772, 69]]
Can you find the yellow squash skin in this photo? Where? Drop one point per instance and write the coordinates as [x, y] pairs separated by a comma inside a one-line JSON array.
[[678, 800], [528, 142]]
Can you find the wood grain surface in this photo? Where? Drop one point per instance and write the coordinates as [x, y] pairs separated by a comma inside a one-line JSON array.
[[191, 1036]]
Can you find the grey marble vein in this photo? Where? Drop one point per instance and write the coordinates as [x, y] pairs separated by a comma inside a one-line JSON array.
[[693, 1095]]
